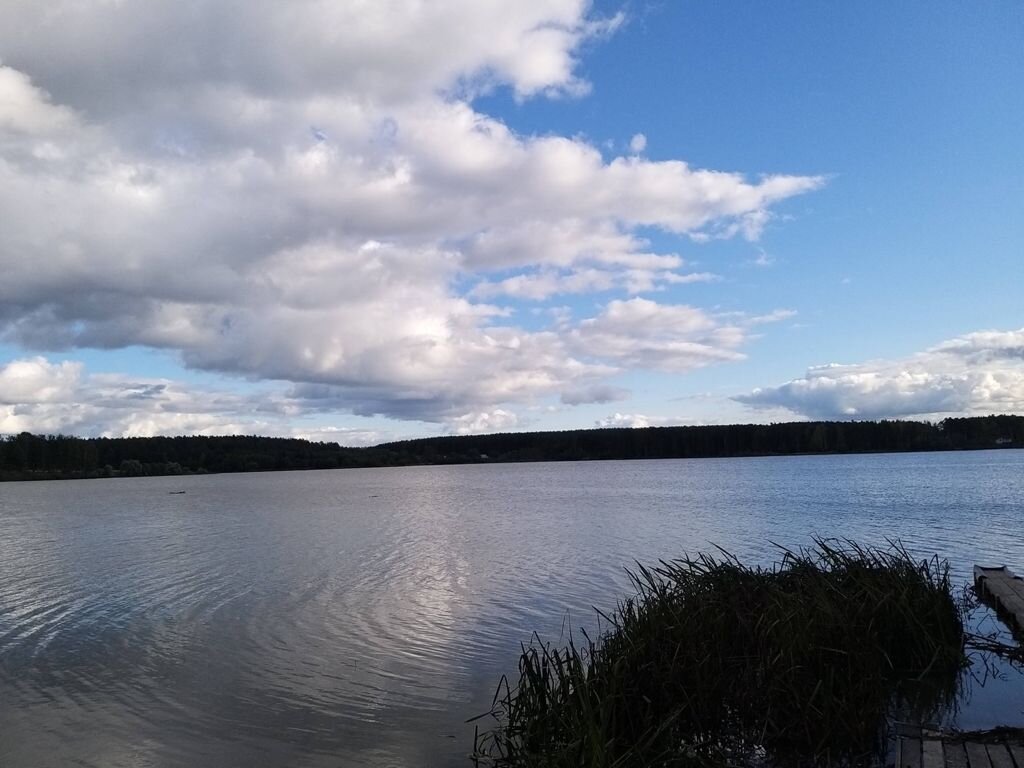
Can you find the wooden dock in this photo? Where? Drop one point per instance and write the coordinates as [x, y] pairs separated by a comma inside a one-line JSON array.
[[1005, 591], [918, 747], [932, 749]]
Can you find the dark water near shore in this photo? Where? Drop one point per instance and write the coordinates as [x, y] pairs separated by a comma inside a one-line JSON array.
[[359, 617]]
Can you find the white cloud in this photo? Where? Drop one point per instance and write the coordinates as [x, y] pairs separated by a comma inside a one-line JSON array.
[[26, 109], [36, 380], [498, 420], [165, 186], [774, 316], [645, 334], [388, 49], [543, 284], [598, 393], [978, 373], [37, 395], [986, 347], [346, 436], [630, 420], [40, 396], [638, 143], [640, 421]]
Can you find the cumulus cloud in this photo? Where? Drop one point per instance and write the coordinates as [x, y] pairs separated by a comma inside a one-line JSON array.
[[36, 380], [42, 396], [390, 49], [986, 347], [37, 395], [645, 334], [347, 436], [978, 373], [598, 393], [498, 420], [640, 421], [26, 109], [301, 192], [540, 285]]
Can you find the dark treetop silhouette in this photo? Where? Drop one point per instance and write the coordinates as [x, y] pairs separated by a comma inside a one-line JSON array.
[[27, 456]]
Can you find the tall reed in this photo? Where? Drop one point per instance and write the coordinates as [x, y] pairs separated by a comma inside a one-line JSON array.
[[712, 662]]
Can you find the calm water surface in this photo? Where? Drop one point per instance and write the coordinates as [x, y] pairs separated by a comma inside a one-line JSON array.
[[359, 617]]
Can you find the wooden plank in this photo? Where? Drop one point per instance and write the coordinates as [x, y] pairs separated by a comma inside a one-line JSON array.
[[1005, 590], [989, 578], [956, 755], [987, 570], [1014, 587], [999, 755], [990, 588], [1013, 612], [932, 754], [909, 753], [977, 755], [1017, 585], [984, 576], [1015, 606], [994, 575], [999, 588], [1002, 591]]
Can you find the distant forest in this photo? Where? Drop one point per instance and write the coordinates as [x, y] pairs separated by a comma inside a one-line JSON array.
[[30, 457]]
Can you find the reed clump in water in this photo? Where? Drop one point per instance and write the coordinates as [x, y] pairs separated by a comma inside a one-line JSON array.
[[713, 662]]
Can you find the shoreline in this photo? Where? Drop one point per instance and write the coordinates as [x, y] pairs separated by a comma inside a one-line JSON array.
[[35, 476]]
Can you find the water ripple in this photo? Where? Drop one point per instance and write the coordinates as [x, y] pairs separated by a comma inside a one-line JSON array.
[[359, 617]]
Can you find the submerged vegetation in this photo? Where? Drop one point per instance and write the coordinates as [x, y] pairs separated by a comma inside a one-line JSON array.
[[712, 662], [27, 457]]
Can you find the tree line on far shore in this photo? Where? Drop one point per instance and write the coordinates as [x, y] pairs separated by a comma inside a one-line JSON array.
[[26, 456]]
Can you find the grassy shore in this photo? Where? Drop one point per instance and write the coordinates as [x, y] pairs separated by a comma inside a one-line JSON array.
[[714, 663]]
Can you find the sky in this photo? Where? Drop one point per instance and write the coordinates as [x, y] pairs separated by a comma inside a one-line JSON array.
[[362, 221]]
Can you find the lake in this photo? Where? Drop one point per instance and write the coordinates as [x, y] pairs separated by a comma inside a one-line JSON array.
[[360, 617]]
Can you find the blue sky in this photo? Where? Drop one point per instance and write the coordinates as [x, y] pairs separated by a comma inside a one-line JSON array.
[[915, 111], [474, 218]]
